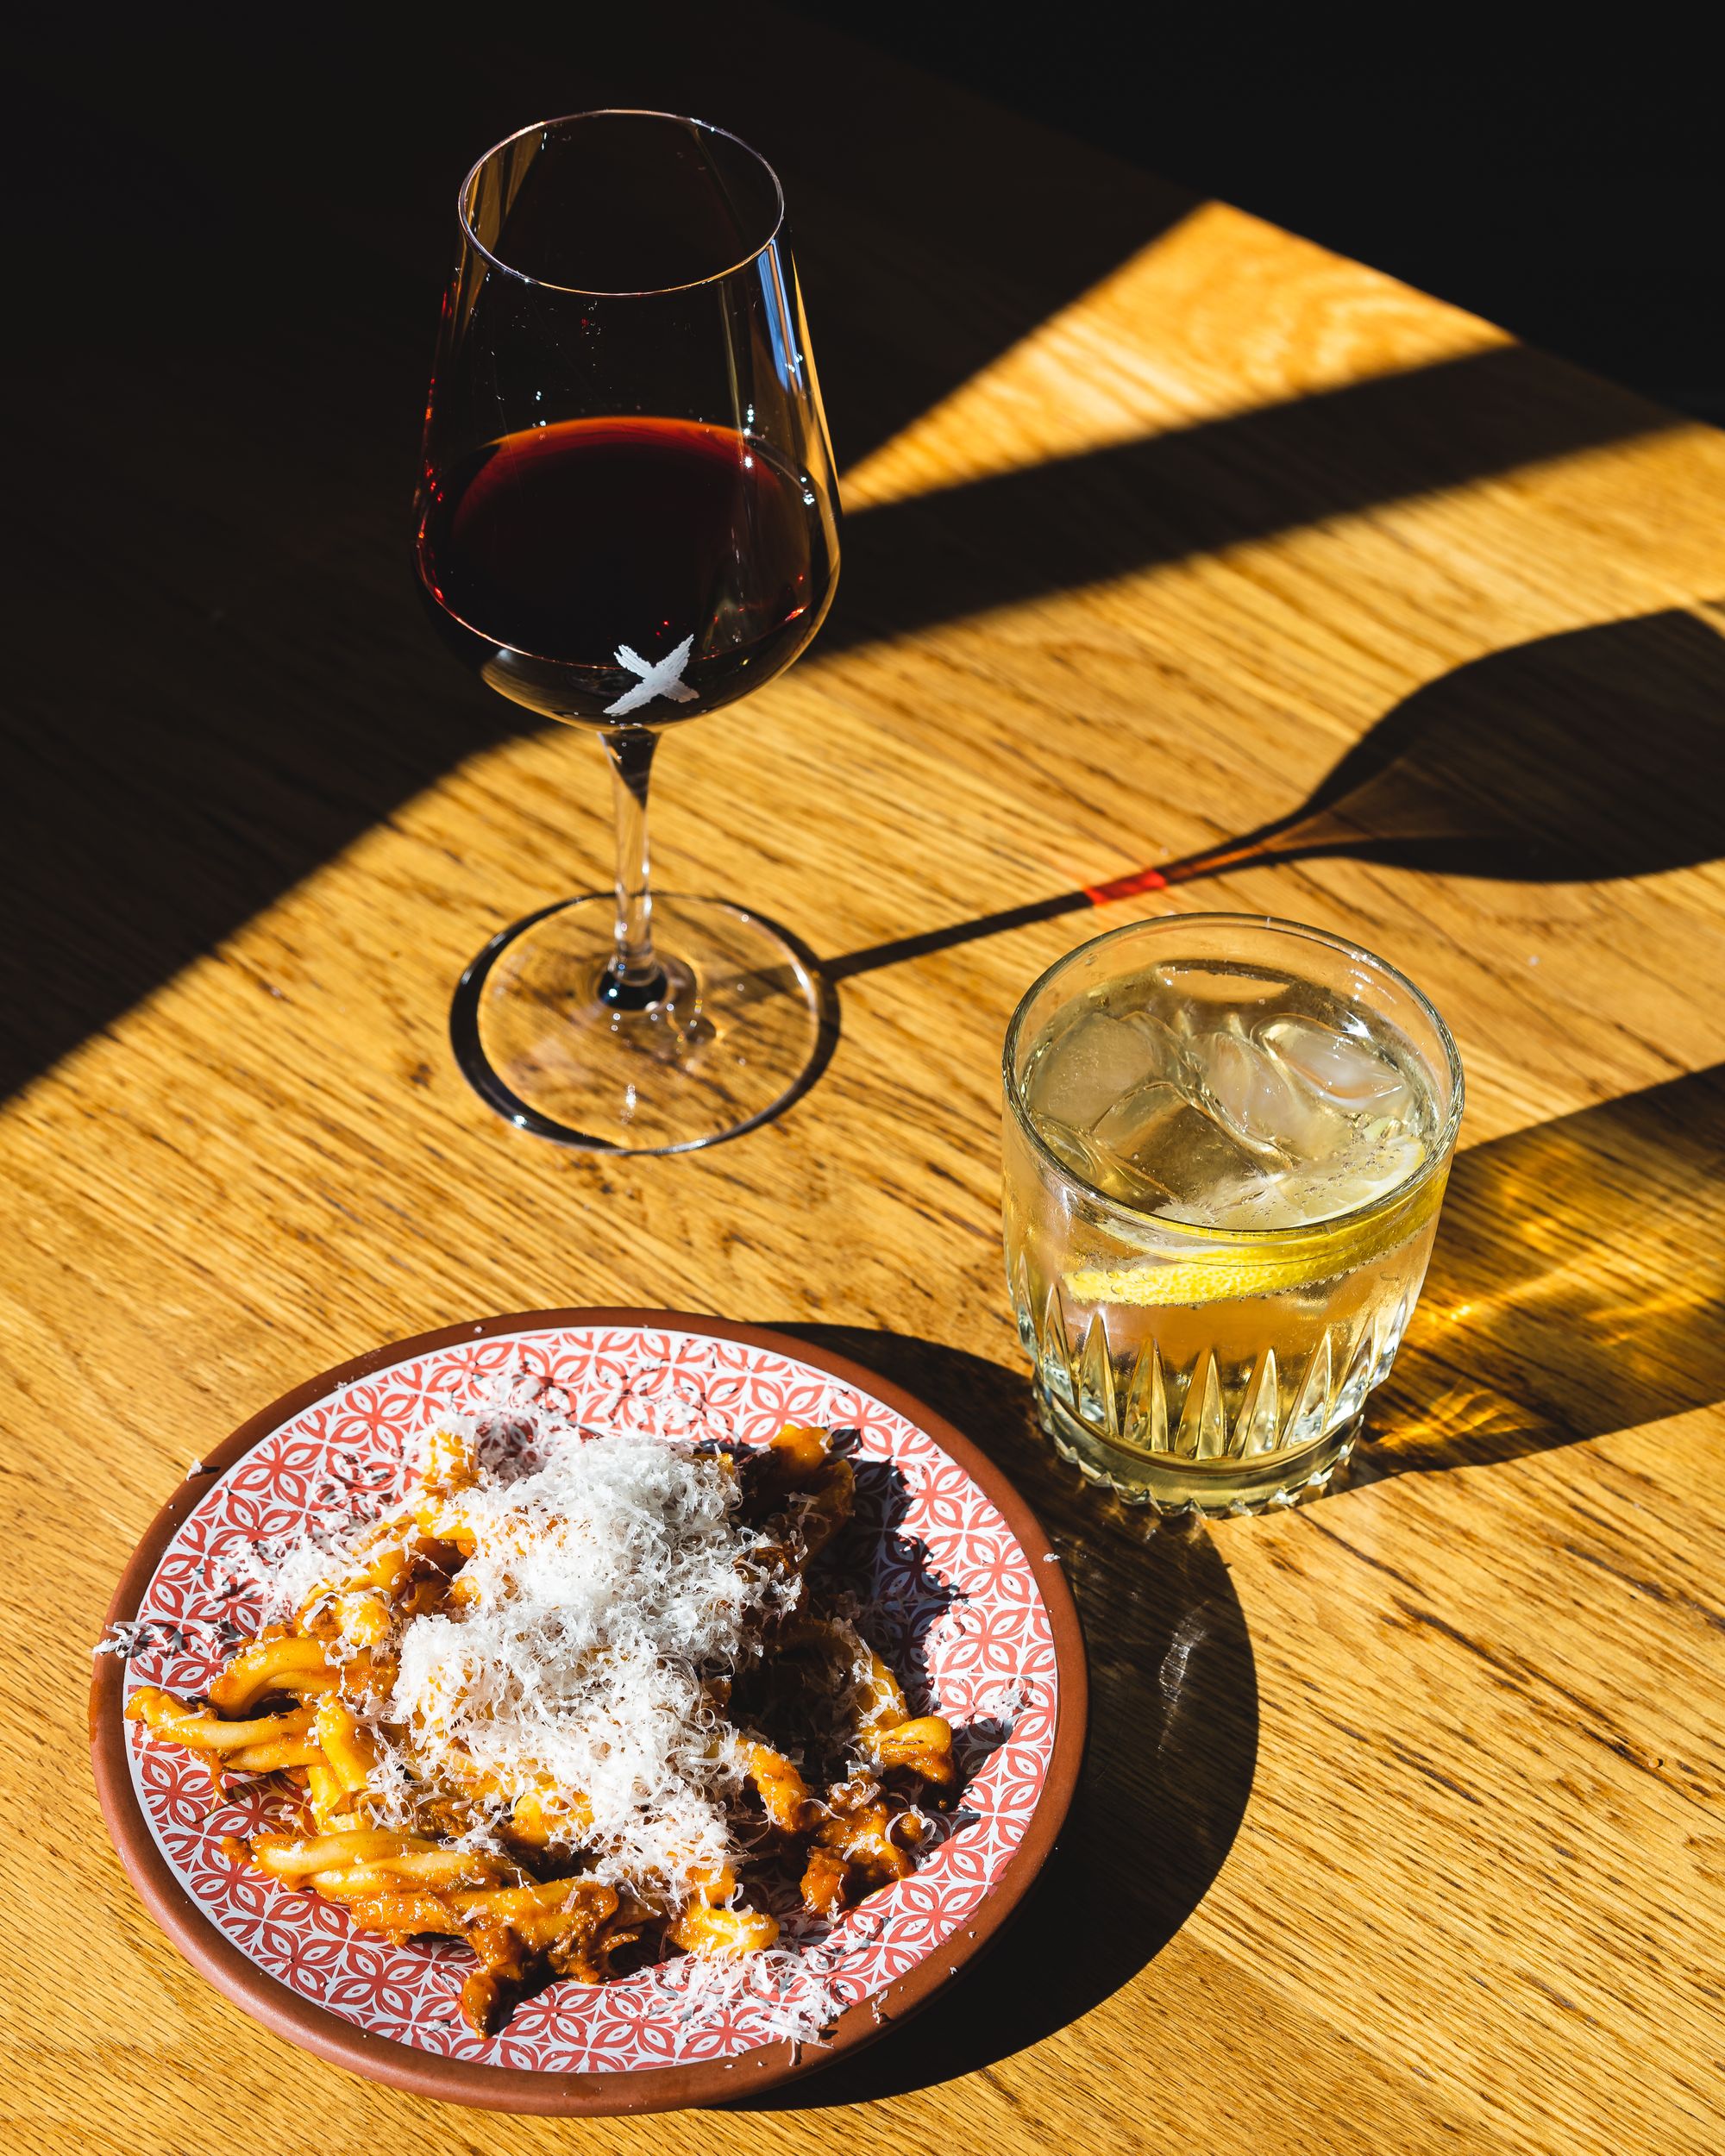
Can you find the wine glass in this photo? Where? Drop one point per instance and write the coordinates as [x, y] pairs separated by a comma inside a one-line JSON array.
[[627, 516]]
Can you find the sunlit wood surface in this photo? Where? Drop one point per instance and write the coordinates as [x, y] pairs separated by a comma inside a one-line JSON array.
[[1403, 1825]]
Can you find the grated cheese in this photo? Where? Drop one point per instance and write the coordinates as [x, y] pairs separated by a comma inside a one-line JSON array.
[[606, 1581], [784, 1994], [288, 1571]]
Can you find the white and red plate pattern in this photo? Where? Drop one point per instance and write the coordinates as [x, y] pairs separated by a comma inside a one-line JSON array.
[[955, 1599]]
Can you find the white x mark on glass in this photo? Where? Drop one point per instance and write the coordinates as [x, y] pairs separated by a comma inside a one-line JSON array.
[[662, 677]]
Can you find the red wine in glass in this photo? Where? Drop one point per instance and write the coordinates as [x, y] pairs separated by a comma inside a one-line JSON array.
[[627, 516], [539, 550]]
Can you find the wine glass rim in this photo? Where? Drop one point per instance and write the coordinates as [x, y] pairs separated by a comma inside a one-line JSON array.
[[1438, 1154], [610, 112]]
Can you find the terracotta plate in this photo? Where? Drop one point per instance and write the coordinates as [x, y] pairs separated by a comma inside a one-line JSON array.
[[969, 1599]]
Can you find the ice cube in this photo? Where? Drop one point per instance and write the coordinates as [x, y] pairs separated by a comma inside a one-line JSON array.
[[1261, 1102], [1376, 1155], [1097, 1164], [1339, 1067], [1164, 1042], [1096, 1058], [1078, 1075], [1176, 1141], [1261, 1200]]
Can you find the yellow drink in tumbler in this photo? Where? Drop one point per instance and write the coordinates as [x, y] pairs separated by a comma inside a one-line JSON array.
[[1226, 1143]]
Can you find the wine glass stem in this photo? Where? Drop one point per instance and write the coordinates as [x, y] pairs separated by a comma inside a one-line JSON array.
[[634, 978]]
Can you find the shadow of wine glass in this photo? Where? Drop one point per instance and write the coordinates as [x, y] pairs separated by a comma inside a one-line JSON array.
[[1596, 754], [1576, 1286], [1168, 1769], [1591, 754]]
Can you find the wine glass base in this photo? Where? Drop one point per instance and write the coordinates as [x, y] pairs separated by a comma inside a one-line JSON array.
[[745, 1024]]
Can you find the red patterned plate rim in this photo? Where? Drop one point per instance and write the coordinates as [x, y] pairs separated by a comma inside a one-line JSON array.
[[328, 2034]]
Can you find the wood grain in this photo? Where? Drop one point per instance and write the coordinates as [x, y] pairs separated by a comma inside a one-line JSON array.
[[1404, 1824]]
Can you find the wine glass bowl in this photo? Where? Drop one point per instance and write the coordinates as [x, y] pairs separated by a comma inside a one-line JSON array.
[[626, 517]]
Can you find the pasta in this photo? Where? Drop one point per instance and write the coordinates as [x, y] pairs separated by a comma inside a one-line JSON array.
[[580, 1702]]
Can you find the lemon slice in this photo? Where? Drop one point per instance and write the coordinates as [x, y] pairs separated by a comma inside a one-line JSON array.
[[1238, 1274]]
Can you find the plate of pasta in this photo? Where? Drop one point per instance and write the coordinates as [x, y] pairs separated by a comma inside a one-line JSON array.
[[588, 1711]]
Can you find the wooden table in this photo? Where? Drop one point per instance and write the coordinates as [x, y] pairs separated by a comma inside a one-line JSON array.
[[1403, 1825]]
